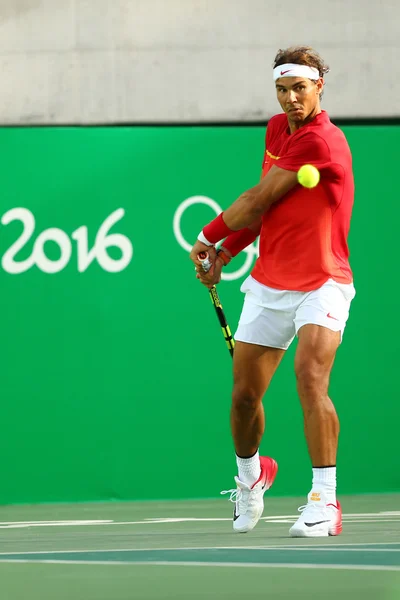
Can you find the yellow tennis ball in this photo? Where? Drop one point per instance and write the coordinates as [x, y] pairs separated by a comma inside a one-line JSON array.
[[308, 176]]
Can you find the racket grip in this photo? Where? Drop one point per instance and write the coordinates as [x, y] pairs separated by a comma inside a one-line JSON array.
[[205, 261]]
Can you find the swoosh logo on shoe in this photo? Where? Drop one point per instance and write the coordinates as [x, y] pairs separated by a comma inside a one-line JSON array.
[[235, 516], [317, 523]]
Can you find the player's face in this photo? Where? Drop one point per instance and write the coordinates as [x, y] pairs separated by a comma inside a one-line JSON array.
[[298, 97]]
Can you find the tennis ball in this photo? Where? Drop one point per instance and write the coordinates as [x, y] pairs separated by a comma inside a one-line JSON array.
[[308, 176]]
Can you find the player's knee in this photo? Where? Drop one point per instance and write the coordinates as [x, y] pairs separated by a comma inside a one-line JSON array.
[[312, 379], [245, 399]]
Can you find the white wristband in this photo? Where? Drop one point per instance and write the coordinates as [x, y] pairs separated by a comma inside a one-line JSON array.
[[202, 238]]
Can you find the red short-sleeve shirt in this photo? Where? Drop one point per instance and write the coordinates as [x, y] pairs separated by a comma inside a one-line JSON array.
[[303, 239]]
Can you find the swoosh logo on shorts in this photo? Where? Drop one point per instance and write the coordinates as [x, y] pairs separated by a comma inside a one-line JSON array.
[[330, 317]]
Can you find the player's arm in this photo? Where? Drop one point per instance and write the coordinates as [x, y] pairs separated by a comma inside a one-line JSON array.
[[310, 148], [234, 243], [253, 203], [246, 210], [239, 240], [258, 199]]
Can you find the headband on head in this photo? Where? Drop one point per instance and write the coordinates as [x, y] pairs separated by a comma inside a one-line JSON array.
[[292, 70]]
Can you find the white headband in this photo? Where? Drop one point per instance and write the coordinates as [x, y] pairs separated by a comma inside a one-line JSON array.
[[292, 70]]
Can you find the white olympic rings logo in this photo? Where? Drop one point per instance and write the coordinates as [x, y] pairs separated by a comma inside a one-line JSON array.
[[250, 252]]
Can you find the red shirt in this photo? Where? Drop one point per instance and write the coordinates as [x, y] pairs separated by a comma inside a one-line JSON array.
[[303, 239]]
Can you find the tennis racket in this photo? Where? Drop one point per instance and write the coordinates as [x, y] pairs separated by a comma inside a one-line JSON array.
[[226, 331]]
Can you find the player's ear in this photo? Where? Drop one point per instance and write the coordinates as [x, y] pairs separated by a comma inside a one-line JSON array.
[[319, 86]]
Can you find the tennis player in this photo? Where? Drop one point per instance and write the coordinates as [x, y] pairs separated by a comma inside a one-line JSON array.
[[301, 284]]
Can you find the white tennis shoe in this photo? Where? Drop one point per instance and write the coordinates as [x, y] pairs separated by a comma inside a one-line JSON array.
[[318, 518], [249, 500]]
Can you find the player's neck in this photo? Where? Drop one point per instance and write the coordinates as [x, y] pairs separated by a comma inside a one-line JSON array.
[[295, 125]]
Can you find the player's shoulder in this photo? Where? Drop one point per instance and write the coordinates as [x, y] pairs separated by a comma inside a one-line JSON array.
[[276, 126], [278, 122], [320, 131], [327, 133], [324, 138], [323, 127]]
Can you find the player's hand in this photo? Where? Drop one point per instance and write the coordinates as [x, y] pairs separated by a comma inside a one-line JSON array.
[[214, 274], [205, 278], [200, 247]]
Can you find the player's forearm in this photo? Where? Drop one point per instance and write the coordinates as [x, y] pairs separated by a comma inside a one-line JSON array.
[[237, 241], [245, 210]]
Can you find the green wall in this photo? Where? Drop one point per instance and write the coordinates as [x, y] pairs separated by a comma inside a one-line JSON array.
[[115, 379]]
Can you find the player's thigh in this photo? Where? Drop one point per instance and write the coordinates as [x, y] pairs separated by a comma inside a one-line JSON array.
[[328, 306], [267, 317], [320, 320], [253, 369], [315, 355]]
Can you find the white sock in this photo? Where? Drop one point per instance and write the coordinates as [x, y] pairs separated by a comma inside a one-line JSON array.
[[324, 480], [249, 468]]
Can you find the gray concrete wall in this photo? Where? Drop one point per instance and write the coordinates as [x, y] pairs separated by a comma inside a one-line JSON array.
[[95, 61]]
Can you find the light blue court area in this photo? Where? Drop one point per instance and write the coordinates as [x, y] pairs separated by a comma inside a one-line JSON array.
[[349, 557], [187, 550]]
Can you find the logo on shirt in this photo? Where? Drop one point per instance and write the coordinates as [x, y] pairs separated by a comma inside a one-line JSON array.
[[270, 155]]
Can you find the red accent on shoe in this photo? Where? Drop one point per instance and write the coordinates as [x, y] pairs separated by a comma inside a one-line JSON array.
[[269, 469], [338, 527]]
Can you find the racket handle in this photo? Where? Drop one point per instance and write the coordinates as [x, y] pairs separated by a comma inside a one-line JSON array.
[[205, 261]]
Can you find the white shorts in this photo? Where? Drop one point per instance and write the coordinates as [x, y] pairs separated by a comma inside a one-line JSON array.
[[272, 317]]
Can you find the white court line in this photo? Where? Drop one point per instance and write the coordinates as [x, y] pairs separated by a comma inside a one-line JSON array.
[[61, 522], [274, 521], [26, 524], [371, 520], [267, 518], [349, 518], [183, 549], [163, 563], [267, 521], [66, 522], [324, 549]]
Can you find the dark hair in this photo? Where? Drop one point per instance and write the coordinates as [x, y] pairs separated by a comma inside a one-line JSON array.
[[301, 55]]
